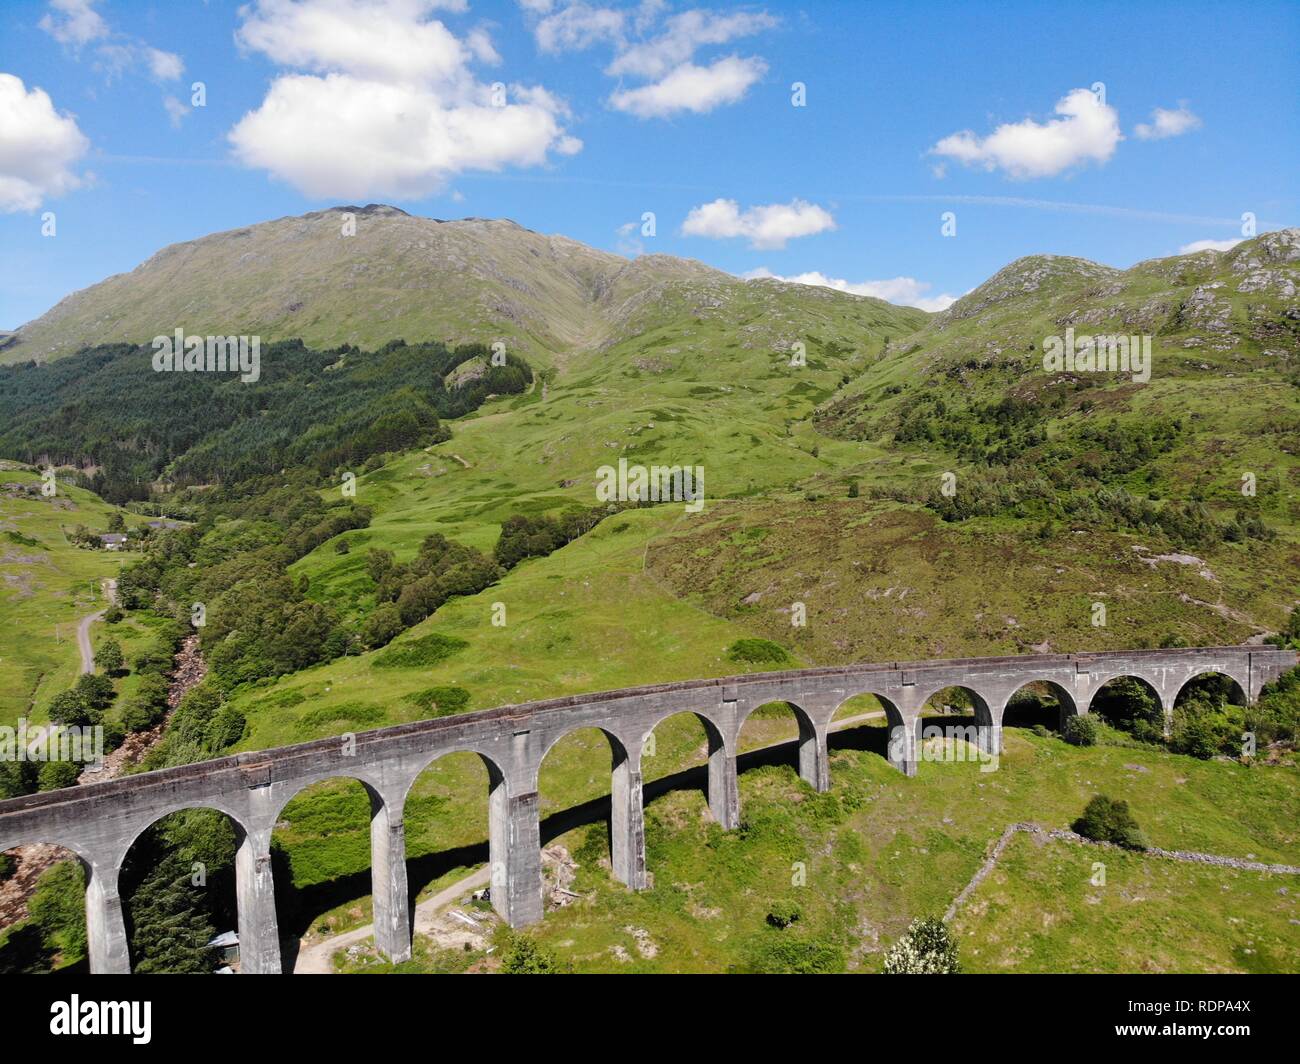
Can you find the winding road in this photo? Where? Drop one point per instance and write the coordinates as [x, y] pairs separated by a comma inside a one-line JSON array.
[[83, 627]]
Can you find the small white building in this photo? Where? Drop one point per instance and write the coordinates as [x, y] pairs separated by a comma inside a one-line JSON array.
[[227, 945]]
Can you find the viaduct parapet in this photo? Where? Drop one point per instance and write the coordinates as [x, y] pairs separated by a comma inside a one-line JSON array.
[[100, 821]]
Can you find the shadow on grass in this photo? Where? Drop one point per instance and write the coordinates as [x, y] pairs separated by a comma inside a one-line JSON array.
[[300, 908]]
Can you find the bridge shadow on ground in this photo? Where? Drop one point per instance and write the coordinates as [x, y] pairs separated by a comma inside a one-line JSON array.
[[299, 909]]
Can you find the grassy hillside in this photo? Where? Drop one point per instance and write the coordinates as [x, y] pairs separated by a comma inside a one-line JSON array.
[[823, 423], [659, 594], [881, 849], [1222, 400], [397, 277], [46, 586], [1034, 914]]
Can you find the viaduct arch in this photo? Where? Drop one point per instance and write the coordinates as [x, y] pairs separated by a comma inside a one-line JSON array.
[[98, 822]]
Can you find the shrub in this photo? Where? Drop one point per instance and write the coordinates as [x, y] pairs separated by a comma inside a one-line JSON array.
[[113, 615], [758, 652], [1290, 634], [95, 692], [54, 775], [351, 715], [1147, 732], [440, 701], [226, 729], [926, 949], [526, 957], [114, 733], [58, 908], [17, 778], [109, 657], [378, 562], [382, 627], [783, 955], [1126, 703], [195, 713], [156, 658], [783, 913], [8, 865], [135, 717], [67, 707], [1109, 820], [1199, 729], [1080, 730], [1276, 713], [420, 653], [148, 705]]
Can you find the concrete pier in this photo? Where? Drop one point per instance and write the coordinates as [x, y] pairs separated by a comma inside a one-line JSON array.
[[100, 821]]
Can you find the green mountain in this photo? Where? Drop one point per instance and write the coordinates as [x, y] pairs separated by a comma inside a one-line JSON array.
[[1208, 314], [828, 428], [400, 277]]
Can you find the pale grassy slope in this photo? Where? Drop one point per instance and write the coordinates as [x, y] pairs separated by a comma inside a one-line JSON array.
[[398, 277]]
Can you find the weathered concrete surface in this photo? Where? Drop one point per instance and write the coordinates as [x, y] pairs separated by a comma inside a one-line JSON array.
[[100, 821]]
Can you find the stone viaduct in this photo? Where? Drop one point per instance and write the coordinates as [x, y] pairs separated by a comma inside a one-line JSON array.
[[100, 821]]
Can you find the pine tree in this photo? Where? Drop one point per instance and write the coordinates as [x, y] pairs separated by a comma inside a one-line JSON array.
[[171, 927]]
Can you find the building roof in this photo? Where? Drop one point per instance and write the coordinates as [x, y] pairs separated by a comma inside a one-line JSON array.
[[226, 938]]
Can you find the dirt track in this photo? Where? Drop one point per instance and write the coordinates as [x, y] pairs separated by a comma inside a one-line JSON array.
[[83, 627]]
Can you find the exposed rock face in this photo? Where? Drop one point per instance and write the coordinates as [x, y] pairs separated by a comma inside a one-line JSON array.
[[33, 861], [1024, 276]]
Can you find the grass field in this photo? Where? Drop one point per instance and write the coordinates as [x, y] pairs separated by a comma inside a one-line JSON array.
[[881, 849], [1040, 912], [46, 586]]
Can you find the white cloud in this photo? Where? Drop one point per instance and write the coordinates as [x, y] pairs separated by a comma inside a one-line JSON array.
[[38, 147], [1087, 131], [692, 88], [904, 291], [657, 50], [176, 110], [576, 27], [628, 242], [768, 226], [1166, 123], [479, 41], [74, 22], [381, 40], [115, 58], [683, 36], [390, 106], [1208, 245], [165, 66]]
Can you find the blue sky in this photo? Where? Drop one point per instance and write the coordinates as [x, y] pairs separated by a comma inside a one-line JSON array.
[[611, 110]]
